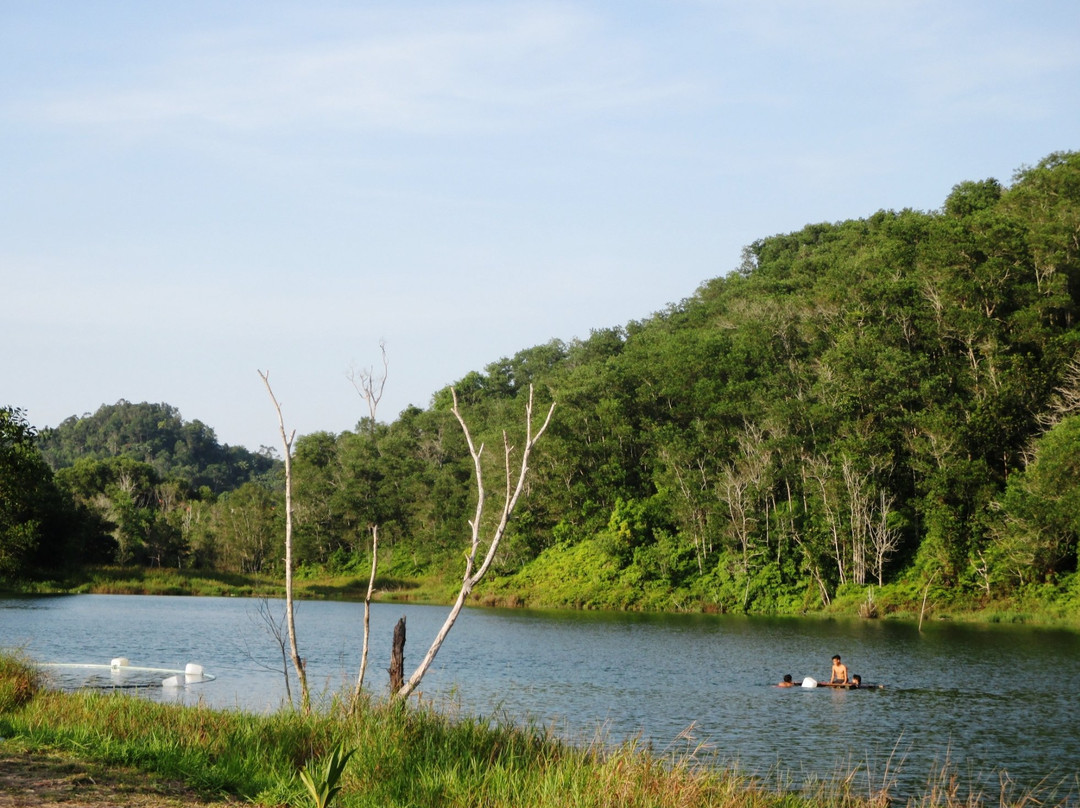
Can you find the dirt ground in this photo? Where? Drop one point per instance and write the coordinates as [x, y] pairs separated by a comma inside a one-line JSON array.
[[45, 779]]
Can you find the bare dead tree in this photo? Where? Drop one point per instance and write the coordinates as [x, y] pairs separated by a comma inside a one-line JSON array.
[[275, 627], [368, 386], [1066, 398], [287, 442], [860, 514], [740, 488], [873, 539], [371, 390], [473, 573], [925, 595], [884, 538], [821, 470]]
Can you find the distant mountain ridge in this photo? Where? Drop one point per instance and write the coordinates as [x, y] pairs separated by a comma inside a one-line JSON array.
[[155, 434]]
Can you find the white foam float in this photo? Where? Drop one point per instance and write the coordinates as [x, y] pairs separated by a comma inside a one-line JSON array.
[[120, 666], [193, 674]]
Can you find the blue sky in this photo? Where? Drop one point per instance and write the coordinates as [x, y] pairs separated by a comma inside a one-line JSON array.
[[192, 192]]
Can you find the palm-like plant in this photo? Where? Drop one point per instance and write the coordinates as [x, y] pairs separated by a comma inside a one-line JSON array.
[[323, 782]]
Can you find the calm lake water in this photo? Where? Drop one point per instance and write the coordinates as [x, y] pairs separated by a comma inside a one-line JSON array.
[[982, 699]]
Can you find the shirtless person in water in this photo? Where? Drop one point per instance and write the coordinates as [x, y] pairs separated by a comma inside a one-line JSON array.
[[839, 671]]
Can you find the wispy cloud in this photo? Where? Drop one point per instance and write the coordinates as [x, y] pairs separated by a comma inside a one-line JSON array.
[[508, 67]]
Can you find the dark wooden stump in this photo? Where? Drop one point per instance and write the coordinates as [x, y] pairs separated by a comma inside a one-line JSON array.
[[397, 658]]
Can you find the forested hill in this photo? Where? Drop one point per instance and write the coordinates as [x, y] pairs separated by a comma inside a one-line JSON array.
[[155, 434], [890, 401], [886, 399]]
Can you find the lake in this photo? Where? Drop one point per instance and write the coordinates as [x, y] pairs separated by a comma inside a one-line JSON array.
[[980, 698]]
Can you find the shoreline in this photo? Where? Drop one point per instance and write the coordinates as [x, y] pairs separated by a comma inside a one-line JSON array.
[[113, 749], [888, 606]]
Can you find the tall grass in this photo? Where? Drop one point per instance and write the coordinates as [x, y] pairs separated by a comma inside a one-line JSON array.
[[19, 683], [405, 755]]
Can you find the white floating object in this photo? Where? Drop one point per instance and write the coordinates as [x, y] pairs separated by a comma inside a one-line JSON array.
[[119, 662], [192, 675], [808, 682]]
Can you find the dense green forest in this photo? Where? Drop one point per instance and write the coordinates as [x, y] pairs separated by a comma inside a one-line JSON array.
[[891, 401], [125, 484], [156, 435]]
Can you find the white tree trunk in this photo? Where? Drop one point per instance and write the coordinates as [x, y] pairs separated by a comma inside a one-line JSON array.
[[885, 539], [821, 470], [860, 512], [473, 574], [294, 653], [367, 612]]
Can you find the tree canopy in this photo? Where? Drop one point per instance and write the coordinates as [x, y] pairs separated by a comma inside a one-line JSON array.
[[157, 435], [34, 517]]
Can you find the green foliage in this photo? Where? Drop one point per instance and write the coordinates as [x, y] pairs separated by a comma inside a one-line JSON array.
[[633, 527], [324, 782], [34, 518], [155, 434], [134, 484], [971, 197], [242, 532], [1039, 529], [581, 575], [730, 588]]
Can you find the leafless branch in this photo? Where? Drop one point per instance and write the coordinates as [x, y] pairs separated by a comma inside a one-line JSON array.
[[474, 574], [287, 442], [368, 386]]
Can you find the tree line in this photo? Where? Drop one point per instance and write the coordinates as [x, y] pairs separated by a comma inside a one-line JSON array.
[[881, 401], [126, 484]]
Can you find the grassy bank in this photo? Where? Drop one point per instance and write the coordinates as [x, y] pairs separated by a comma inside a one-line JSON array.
[[405, 755], [309, 585], [1048, 605], [1055, 604]]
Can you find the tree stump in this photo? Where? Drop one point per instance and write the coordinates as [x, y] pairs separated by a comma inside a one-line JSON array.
[[397, 658]]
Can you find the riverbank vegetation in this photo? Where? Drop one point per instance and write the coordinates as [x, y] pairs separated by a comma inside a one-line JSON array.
[[876, 416], [1047, 605], [408, 755]]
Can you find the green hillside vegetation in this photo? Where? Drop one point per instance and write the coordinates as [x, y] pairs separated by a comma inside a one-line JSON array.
[[127, 484], [158, 436], [865, 412]]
